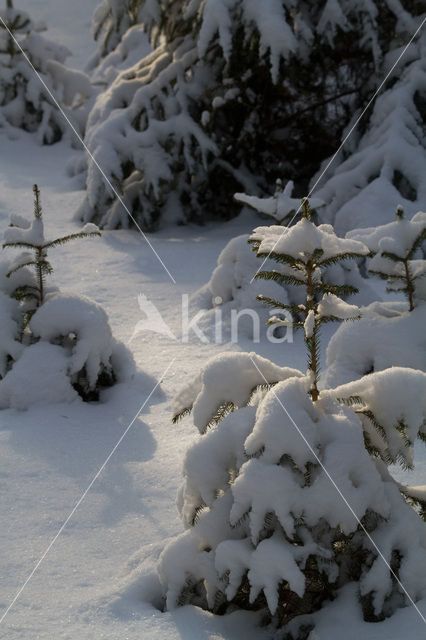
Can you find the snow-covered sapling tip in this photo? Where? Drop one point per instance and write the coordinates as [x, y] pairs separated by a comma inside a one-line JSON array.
[[304, 251], [282, 207], [30, 236], [397, 250], [15, 21]]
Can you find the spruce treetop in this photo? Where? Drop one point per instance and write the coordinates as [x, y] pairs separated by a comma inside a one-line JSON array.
[[303, 252], [23, 234]]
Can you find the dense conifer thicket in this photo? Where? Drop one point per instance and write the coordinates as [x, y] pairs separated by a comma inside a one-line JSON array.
[[236, 94]]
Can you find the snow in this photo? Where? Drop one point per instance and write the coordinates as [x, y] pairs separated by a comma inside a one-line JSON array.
[[309, 324], [62, 315], [394, 396], [33, 235], [281, 205], [402, 231], [331, 305], [220, 384], [231, 289], [387, 335], [304, 237], [39, 377], [98, 580]]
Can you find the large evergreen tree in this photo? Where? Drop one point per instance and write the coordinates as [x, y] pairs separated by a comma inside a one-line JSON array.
[[384, 163], [234, 94]]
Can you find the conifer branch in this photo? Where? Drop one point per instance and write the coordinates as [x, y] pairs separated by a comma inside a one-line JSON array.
[[73, 236], [281, 278], [181, 414], [338, 257]]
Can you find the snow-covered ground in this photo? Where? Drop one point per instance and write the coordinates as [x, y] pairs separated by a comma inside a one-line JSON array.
[[91, 583]]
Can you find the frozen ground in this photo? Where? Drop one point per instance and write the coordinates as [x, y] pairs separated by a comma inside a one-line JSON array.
[[91, 584]]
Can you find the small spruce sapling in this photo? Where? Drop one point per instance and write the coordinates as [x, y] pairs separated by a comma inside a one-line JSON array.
[[69, 332], [23, 235], [399, 258], [305, 251]]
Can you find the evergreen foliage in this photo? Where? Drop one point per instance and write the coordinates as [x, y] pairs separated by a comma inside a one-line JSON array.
[[384, 162], [266, 528], [67, 335], [390, 333], [304, 267], [399, 259], [227, 87], [31, 237]]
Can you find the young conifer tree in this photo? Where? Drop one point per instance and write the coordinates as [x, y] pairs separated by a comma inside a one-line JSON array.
[[304, 259], [54, 345], [399, 254], [30, 236], [282, 501]]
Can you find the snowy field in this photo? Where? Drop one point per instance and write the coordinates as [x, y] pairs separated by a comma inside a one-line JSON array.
[[95, 579]]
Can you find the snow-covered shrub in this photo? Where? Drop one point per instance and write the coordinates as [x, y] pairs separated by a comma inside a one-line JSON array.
[[24, 102], [286, 496], [384, 163], [389, 333], [52, 345], [399, 254], [228, 88]]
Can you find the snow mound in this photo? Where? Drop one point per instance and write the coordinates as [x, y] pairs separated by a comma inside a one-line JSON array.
[[39, 377], [228, 379], [62, 315], [387, 335]]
